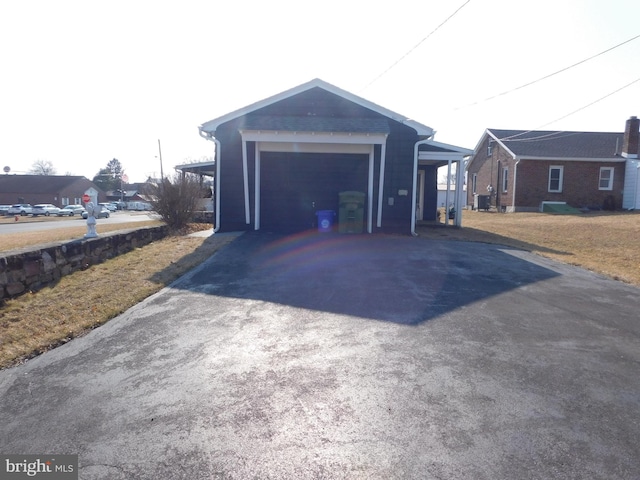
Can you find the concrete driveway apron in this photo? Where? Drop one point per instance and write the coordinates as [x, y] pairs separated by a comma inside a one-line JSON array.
[[325, 356]]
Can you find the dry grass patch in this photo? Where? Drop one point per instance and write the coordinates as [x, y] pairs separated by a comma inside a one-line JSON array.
[[11, 242], [604, 242], [37, 322]]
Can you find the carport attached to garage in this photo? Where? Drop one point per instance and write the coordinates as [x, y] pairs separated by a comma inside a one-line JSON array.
[[294, 186]]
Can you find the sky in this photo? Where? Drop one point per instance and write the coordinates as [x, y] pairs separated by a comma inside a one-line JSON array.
[[82, 82]]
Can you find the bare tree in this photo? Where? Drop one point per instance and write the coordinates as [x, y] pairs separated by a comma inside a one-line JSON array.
[[42, 167], [175, 199], [442, 177]]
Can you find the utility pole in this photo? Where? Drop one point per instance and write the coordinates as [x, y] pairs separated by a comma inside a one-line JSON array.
[[160, 153]]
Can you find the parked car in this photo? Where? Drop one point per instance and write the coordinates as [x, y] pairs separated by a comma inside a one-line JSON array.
[[4, 209], [20, 209], [104, 213], [45, 209], [70, 210], [109, 206]]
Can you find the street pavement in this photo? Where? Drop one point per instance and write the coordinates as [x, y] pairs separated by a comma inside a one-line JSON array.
[[8, 226], [326, 356]]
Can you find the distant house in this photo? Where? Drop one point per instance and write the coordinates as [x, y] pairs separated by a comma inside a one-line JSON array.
[[283, 160], [130, 192], [59, 190], [521, 169], [133, 195]]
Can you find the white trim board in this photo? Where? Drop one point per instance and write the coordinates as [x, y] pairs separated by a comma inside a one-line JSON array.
[[313, 137]]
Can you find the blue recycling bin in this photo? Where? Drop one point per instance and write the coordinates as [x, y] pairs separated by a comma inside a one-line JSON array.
[[325, 220]]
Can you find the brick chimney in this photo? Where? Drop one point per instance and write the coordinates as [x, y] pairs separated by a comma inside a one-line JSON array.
[[631, 134]]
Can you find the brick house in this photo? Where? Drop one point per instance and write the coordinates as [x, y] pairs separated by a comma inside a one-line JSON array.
[[59, 190], [520, 169], [282, 160]]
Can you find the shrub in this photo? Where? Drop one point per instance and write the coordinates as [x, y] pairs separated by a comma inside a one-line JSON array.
[[175, 199]]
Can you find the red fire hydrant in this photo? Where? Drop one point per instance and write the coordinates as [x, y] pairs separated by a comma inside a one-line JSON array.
[[17, 218]]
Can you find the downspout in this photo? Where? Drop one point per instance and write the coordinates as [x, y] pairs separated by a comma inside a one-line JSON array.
[[446, 194], [515, 184], [383, 153], [208, 136], [245, 178], [415, 181]]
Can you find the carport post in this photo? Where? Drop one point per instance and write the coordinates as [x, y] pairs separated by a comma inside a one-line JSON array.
[[460, 170], [415, 183], [446, 194]]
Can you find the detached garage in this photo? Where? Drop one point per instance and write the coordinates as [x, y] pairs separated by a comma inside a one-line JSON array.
[[282, 160]]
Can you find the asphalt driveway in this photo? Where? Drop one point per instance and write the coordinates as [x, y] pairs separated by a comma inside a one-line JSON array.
[[326, 356]]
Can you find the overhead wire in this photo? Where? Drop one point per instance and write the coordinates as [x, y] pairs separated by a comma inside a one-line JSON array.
[[549, 75], [555, 135], [414, 47], [520, 86], [574, 112]]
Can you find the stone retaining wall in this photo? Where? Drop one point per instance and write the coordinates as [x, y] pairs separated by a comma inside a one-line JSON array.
[[32, 268]]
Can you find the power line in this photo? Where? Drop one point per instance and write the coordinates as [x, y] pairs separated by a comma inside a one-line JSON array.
[[416, 46], [575, 111], [547, 136], [549, 75], [592, 103]]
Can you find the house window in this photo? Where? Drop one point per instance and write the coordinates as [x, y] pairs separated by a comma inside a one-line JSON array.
[[555, 178], [65, 201], [489, 149], [606, 178], [474, 183], [505, 179]]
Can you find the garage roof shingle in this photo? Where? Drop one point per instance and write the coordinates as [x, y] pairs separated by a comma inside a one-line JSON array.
[[317, 124]]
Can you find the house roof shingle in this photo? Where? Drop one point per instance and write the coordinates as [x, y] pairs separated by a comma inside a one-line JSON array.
[[560, 144], [36, 183]]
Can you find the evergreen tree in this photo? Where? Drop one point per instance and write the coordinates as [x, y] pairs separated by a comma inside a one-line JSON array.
[[109, 177]]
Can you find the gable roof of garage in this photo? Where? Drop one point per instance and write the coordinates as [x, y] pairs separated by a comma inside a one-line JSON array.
[[322, 124]]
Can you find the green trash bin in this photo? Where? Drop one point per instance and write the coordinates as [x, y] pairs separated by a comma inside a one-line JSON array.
[[351, 214]]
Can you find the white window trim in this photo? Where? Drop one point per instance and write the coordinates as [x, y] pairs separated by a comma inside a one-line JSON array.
[[560, 179], [474, 183], [505, 179], [610, 186]]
